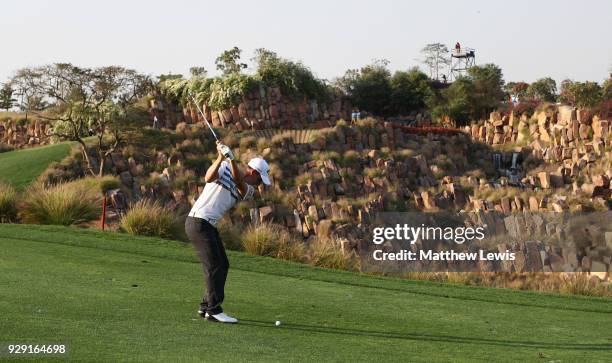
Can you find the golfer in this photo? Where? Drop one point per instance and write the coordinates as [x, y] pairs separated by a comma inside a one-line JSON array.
[[225, 186]]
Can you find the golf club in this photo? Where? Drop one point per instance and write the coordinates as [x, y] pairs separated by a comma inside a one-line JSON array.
[[224, 149], [203, 115]]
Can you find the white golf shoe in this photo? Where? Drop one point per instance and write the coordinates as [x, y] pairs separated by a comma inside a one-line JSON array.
[[220, 318]]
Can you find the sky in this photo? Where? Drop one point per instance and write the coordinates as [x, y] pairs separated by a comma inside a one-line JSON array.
[[527, 39]]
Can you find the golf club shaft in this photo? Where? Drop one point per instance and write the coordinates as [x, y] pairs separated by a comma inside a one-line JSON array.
[[203, 115]]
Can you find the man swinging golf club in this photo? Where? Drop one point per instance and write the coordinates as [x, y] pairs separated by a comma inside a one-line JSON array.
[[225, 186]]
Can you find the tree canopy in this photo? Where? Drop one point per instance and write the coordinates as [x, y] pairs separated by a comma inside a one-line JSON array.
[[85, 100], [470, 97], [435, 56], [544, 89], [228, 62], [6, 97]]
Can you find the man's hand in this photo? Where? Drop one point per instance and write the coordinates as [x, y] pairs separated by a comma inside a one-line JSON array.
[[224, 151], [219, 149], [212, 173]]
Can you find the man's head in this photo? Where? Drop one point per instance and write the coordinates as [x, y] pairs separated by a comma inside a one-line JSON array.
[[257, 172]]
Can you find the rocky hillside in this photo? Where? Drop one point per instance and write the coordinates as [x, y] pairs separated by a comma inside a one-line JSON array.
[[264, 108], [329, 182], [19, 135]]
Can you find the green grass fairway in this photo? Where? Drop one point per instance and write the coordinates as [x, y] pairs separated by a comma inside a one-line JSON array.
[[21, 167], [113, 297]]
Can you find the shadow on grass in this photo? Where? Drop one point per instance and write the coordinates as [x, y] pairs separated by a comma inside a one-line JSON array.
[[427, 337]]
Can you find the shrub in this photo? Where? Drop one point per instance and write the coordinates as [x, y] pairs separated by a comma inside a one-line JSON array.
[[326, 155], [369, 88], [229, 90], [351, 158], [293, 78], [5, 148], [199, 164], [374, 172], [191, 146], [63, 204], [278, 139], [148, 218], [231, 235], [8, 203], [581, 94], [263, 143], [324, 254], [366, 125], [102, 184], [247, 142], [273, 241]]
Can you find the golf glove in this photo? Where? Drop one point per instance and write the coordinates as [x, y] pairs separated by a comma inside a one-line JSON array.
[[227, 152]]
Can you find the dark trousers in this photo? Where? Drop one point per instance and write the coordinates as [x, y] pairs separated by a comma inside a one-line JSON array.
[[205, 238]]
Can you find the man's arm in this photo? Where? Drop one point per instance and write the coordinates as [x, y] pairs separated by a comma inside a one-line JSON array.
[[237, 176], [212, 173]]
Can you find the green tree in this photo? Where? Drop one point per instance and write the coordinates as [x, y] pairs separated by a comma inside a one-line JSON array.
[[229, 61], [6, 97], [435, 56], [606, 90], [581, 94], [169, 76], [470, 97], [294, 78], [198, 71], [544, 89], [454, 101], [409, 91], [81, 99], [487, 91], [369, 88]]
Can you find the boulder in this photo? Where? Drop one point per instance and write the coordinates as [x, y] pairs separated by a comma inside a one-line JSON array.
[[313, 213], [544, 178], [266, 214]]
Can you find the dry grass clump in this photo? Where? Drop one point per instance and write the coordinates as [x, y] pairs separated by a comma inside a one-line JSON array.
[[8, 203], [63, 204], [148, 218], [272, 240]]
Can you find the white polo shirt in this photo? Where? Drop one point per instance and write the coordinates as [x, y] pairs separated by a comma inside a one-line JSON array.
[[219, 196]]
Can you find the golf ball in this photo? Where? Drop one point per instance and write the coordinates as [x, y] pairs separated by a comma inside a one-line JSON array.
[[278, 323]]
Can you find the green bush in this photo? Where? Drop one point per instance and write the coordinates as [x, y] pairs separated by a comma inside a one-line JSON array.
[[63, 204], [8, 203], [293, 78], [229, 90], [369, 88], [148, 218], [102, 184], [220, 93], [273, 240]]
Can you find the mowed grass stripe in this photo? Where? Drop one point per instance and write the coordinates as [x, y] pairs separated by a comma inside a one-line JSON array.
[[151, 247]]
